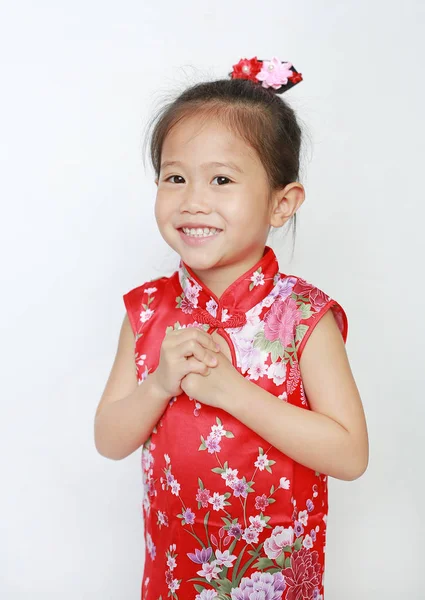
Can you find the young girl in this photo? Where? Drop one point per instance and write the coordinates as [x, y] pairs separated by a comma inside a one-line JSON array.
[[232, 375]]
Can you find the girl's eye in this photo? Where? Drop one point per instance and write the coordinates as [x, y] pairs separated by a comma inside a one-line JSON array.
[[220, 178], [168, 178]]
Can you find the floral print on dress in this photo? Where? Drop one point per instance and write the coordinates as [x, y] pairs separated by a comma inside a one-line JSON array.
[[226, 514]]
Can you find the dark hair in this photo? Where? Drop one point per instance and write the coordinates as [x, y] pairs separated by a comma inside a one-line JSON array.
[[261, 117]]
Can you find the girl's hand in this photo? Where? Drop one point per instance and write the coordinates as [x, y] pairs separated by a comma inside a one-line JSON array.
[[214, 387], [184, 351]]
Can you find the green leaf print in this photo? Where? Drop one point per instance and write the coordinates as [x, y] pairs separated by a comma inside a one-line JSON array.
[[237, 564], [281, 559], [200, 483], [262, 563], [224, 586], [298, 543], [248, 564], [229, 434], [217, 470], [305, 310], [288, 562], [206, 525], [300, 332], [218, 421]]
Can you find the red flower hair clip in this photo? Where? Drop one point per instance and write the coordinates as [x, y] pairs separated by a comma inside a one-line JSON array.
[[274, 73]]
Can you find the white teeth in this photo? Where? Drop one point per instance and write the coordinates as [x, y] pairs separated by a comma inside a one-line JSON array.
[[200, 232]]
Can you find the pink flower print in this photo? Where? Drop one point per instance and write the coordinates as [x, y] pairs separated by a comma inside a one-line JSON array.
[[279, 538], [257, 523], [174, 585], [211, 307], [171, 563], [303, 576], [151, 290], [225, 558], [257, 278], [218, 431], [210, 570], [203, 497], [274, 73], [261, 502], [308, 542], [258, 369], [217, 501], [189, 516], [150, 546], [230, 476], [250, 535], [262, 462], [279, 321], [284, 483], [192, 293], [162, 518], [145, 315], [175, 487], [303, 517], [277, 372], [186, 306]]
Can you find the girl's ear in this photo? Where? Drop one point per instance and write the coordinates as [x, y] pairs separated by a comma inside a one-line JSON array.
[[286, 202], [156, 181]]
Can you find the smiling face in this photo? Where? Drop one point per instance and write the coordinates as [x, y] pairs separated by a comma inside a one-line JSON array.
[[195, 191]]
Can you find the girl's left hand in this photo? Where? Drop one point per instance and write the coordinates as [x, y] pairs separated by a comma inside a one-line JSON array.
[[212, 389]]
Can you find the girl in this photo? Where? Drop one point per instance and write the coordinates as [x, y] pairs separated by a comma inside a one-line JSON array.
[[232, 375]]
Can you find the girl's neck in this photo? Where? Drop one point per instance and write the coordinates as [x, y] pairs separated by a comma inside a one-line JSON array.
[[218, 279]]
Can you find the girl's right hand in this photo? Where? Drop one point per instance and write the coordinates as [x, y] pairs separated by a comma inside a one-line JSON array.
[[184, 351]]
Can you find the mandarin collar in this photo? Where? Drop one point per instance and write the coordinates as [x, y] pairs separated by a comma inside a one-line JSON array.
[[237, 299]]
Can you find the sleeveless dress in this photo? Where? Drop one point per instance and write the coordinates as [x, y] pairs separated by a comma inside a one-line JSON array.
[[226, 514]]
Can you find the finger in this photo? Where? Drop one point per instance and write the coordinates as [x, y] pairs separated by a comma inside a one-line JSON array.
[[192, 365], [193, 348], [202, 337]]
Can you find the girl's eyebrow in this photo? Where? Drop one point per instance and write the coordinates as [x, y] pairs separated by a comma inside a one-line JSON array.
[[231, 165]]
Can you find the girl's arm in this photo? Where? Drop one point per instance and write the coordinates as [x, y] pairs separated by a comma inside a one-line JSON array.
[[331, 437], [127, 412]]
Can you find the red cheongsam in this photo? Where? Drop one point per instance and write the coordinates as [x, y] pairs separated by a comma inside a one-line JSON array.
[[226, 514]]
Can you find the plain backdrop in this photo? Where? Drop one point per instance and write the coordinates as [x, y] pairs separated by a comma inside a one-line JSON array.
[[78, 81]]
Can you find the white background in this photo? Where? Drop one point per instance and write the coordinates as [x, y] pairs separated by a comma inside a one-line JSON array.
[[78, 82]]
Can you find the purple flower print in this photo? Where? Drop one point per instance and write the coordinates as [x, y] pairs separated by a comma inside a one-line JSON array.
[[189, 516], [299, 529], [235, 531], [310, 505], [240, 488], [264, 586], [200, 556], [207, 595], [213, 443]]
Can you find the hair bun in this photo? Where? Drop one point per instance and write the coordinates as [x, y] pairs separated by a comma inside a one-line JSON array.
[[278, 75]]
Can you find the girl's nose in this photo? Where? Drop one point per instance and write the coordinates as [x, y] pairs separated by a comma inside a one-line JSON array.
[[194, 200]]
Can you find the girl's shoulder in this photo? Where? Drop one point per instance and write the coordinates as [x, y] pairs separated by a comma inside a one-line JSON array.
[[139, 301]]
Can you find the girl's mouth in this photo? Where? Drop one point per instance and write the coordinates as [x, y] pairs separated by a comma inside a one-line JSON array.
[[198, 236]]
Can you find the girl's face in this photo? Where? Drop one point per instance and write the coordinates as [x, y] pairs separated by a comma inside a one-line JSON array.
[[196, 191]]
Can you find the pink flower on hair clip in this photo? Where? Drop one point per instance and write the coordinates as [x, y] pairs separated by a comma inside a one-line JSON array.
[[274, 73]]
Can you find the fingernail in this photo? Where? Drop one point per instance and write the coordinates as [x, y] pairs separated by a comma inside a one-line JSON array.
[[213, 360]]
